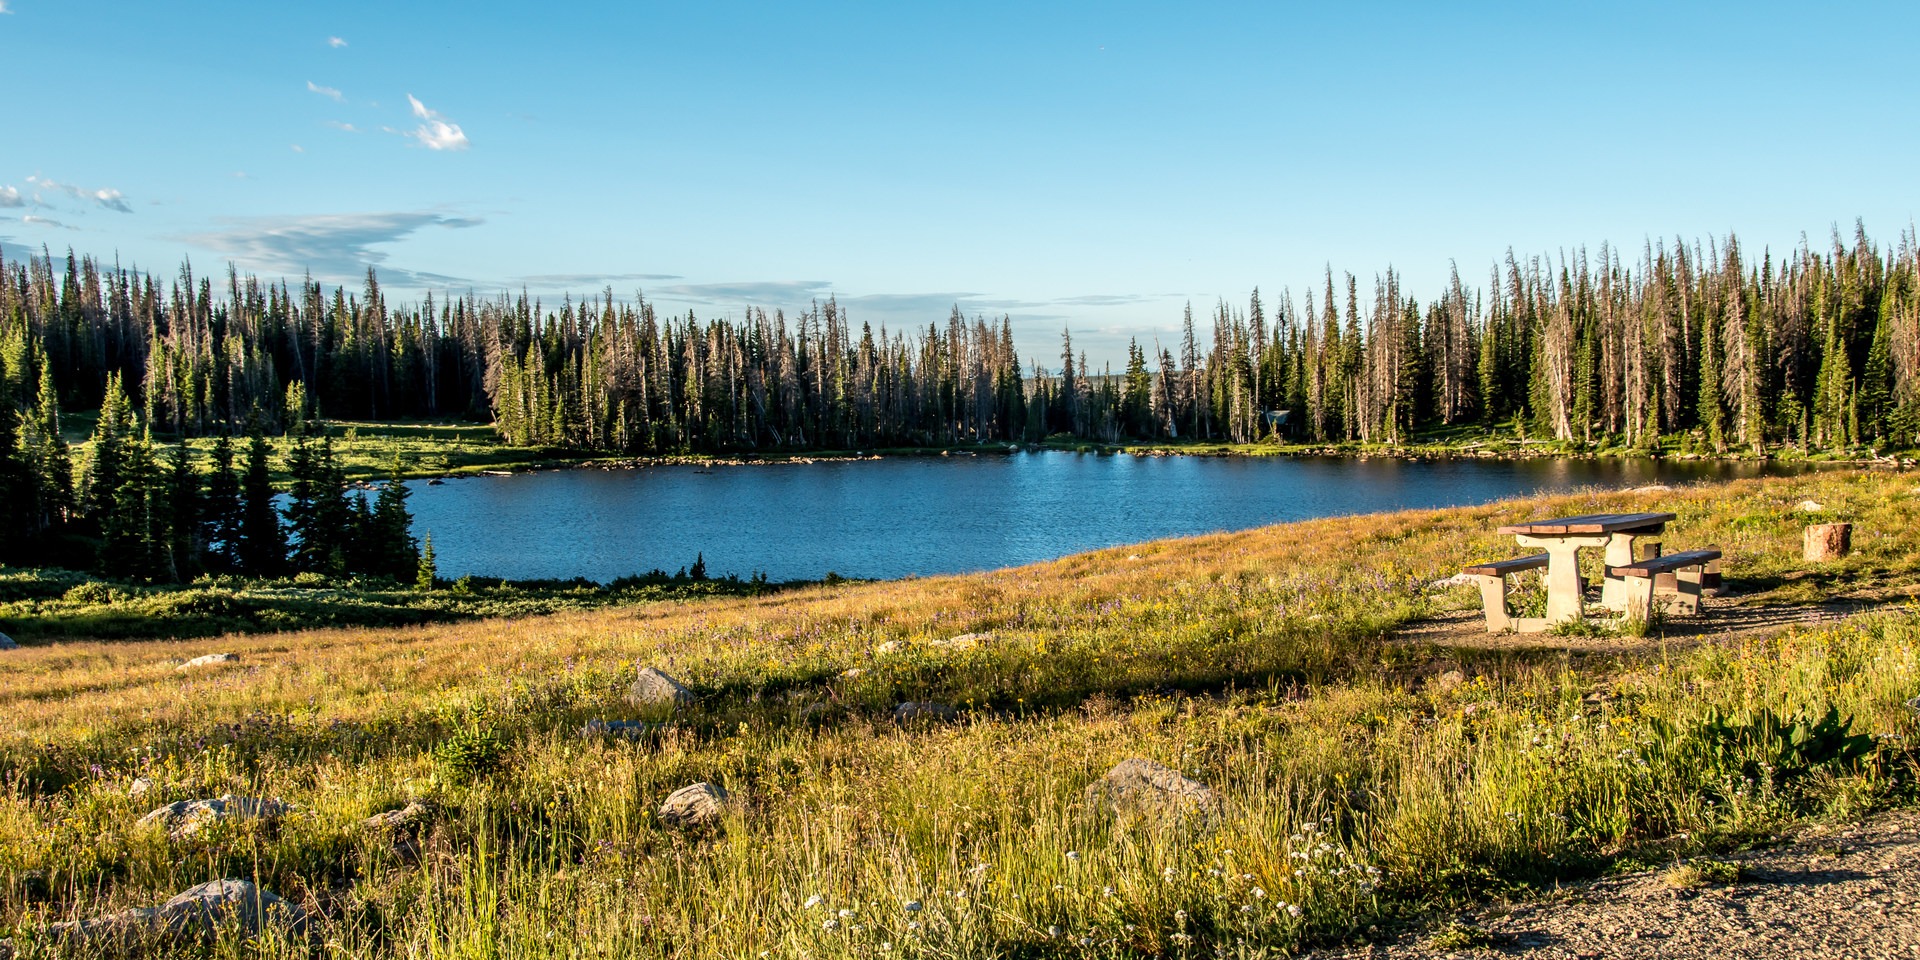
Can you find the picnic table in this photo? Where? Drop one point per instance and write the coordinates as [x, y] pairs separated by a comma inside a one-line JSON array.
[[1564, 538]]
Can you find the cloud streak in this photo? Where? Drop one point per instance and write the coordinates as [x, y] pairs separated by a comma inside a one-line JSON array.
[[106, 197], [45, 222], [330, 246], [336, 42], [328, 92], [436, 132], [10, 197]]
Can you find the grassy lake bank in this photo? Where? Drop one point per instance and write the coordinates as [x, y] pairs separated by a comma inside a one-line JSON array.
[[1365, 775]]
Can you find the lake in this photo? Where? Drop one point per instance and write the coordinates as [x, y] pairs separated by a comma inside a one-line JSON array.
[[930, 515]]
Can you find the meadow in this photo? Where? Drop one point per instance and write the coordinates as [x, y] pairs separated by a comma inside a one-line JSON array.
[[1367, 776]]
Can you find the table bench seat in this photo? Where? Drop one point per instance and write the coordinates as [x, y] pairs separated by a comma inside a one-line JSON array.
[[1643, 580], [1492, 577]]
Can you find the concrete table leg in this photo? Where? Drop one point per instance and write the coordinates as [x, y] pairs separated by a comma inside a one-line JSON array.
[[1613, 590], [1493, 596], [1564, 602]]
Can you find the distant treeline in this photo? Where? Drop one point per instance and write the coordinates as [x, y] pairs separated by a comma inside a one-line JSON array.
[[1817, 349]]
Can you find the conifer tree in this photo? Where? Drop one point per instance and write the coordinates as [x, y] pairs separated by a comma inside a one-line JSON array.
[[262, 547]]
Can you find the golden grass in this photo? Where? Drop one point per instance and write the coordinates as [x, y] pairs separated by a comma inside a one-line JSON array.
[[1257, 662]]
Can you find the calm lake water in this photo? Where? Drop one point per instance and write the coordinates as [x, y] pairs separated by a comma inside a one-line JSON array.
[[930, 515]]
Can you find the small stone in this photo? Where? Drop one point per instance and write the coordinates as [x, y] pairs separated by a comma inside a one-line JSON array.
[[1450, 680], [409, 817], [196, 913], [209, 660], [185, 818], [851, 673], [924, 711], [1811, 506], [627, 729], [890, 647], [139, 787], [651, 688], [698, 805], [965, 641], [1448, 583], [6, 643], [1139, 785]]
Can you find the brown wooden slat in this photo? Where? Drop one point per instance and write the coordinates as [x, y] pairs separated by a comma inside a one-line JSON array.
[[1667, 564], [1592, 523], [1500, 568]]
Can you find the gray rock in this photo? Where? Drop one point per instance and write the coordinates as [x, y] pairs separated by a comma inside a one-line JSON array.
[[651, 688], [185, 818], [597, 729], [209, 660], [965, 641], [698, 805], [194, 914], [410, 817], [6, 643], [1451, 680], [1140, 786], [140, 787], [924, 711]]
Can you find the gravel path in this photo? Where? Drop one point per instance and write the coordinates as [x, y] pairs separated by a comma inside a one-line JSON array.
[[1846, 892]]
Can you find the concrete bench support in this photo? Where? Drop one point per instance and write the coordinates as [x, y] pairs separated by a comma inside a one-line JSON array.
[[1492, 578]]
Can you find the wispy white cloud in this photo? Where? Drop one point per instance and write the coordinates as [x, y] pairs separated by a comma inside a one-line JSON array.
[[10, 197], [3, 7], [588, 280], [299, 149], [112, 200], [331, 246], [436, 132], [107, 197], [753, 293], [328, 92], [44, 222], [336, 42], [343, 126]]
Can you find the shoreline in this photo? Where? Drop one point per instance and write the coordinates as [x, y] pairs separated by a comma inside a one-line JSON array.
[[1483, 450]]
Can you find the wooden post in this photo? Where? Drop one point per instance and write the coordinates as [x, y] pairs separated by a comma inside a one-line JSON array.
[[1828, 541]]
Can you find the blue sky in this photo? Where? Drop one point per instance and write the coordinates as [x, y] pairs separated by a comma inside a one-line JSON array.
[[1090, 166]]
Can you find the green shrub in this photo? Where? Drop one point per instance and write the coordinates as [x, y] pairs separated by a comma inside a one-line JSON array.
[[470, 755]]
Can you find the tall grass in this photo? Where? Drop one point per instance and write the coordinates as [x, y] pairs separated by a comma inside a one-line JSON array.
[[1357, 787]]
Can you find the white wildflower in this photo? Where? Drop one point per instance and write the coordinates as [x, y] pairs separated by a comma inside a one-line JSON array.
[[813, 901]]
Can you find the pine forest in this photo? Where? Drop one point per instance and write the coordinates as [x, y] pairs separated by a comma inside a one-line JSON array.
[[1704, 346]]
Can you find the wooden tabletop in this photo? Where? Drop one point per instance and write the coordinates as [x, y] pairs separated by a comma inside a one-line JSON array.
[[1589, 524]]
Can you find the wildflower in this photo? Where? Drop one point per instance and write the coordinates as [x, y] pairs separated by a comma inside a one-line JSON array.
[[885, 946], [1180, 916], [1259, 894], [846, 914], [913, 925], [913, 906], [813, 901], [1246, 908], [1073, 855], [1106, 891], [1293, 909], [830, 925], [1053, 930]]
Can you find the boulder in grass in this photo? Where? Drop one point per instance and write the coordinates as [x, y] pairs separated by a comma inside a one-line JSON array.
[[410, 817], [965, 641], [699, 805], [652, 688], [597, 729], [1138, 786], [186, 818], [211, 659], [924, 711], [193, 915], [6, 643]]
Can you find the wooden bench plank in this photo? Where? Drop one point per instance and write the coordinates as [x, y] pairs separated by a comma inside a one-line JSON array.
[[1668, 564], [1500, 568], [1591, 523]]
